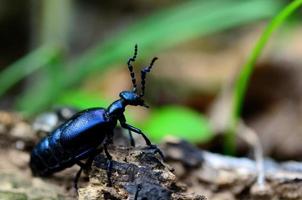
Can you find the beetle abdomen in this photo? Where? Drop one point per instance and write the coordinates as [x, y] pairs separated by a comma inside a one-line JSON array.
[[74, 140], [48, 156]]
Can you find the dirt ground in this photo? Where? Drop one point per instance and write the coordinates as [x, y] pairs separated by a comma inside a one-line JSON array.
[[138, 173]]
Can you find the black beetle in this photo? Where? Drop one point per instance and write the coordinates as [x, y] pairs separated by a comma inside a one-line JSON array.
[[86, 133]]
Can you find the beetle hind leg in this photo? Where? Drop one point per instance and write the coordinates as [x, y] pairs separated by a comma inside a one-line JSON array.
[[76, 179], [132, 142], [83, 166], [109, 163]]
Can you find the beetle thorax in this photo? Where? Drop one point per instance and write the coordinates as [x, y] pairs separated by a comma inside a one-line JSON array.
[[116, 109]]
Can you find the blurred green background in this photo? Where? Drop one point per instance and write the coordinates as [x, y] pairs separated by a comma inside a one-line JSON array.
[[74, 52]]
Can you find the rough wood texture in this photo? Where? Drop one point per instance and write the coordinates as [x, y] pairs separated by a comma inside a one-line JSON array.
[[137, 173], [223, 177]]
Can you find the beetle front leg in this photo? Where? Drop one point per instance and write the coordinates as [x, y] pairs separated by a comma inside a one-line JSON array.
[[138, 131], [148, 142]]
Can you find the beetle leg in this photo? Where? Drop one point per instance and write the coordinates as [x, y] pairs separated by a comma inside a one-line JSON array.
[[139, 187], [132, 142], [138, 131], [109, 163], [83, 166], [78, 175], [123, 123], [89, 161], [76, 179], [157, 150], [148, 142]]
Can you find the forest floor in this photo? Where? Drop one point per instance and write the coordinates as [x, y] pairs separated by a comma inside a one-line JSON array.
[[139, 173]]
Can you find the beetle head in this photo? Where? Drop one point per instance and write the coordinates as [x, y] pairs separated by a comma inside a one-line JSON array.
[[131, 98]]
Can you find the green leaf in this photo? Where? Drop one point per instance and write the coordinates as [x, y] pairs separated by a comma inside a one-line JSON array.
[[179, 122]]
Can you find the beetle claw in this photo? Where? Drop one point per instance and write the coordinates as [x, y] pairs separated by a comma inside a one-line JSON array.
[[157, 150]]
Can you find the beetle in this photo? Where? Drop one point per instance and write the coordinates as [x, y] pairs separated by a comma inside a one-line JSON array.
[[89, 132]]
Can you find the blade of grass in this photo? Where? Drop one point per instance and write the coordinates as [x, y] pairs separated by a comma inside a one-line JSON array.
[[50, 29], [245, 73], [49, 77], [27, 65], [166, 28]]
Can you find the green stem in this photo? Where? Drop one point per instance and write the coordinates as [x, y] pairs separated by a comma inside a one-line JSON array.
[[245, 74]]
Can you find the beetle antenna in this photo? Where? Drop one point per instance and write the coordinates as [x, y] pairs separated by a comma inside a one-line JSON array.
[[143, 75], [130, 67]]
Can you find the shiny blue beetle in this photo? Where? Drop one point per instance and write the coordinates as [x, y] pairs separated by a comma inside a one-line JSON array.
[[87, 132]]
